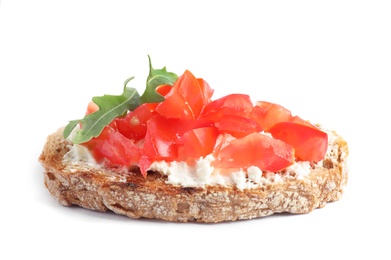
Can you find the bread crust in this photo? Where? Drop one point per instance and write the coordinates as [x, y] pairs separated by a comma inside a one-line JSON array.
[[128, 193]]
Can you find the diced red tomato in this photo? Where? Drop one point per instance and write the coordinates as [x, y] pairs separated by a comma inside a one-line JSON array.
[[185, 100], [175, 106], [164, 134], [238, 126], [115, 147], [299, 120], [233, 104], [160, 139], [267, 114], [197, 143], [187, 125], [181, 126], [134, 124], [206, 90], [310, 143], [144, 164], [222, 141], [255, 149], [164, 89]]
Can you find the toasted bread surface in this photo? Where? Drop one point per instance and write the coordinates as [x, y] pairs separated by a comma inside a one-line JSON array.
[[129, 193]]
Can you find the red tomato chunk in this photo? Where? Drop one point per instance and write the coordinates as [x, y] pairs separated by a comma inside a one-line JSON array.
[[197, 143], [186, 99], [114, 147], [255, 149], [310, 143], [188, 125]]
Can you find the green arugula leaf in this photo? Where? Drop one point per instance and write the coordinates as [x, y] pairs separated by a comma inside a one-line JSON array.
[[156, 78], [69, 128], [110, 107]]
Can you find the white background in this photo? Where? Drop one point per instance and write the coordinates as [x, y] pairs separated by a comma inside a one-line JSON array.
[[327, 61]]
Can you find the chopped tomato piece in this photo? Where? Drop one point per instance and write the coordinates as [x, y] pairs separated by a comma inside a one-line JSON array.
[[160, 139], [175, 106], [299, 120], [164, 136], [238, 126], [164, 89], [222, 141], [206, 90], [185, 100], [187, 125], [144, 164], [267, 114], [134, 124], [233, 104], [197, 143], [115, 147], [310, 143], [180, 126], [255, 149]]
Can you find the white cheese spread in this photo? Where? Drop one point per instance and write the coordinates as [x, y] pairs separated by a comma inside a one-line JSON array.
[[203, 174], [79, 153]]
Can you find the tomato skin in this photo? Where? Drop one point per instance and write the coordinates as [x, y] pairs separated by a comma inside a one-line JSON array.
[[299, 120], [267, 114], [309, 142], [160, 139], [186, 99], [174, 106], [187, 125], [237, 126], [255, 149], [164, 89], [115, 147], [196, 143], [206, 90], [144, 165], [230, 114], [233, 104], [134, 124], [163, 140]]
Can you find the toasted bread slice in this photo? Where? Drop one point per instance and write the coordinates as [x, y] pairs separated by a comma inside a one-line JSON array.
[[129, 193]]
